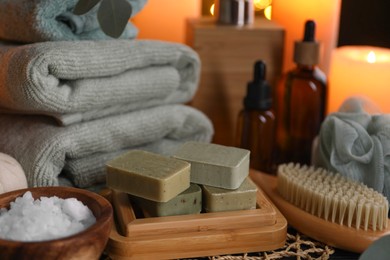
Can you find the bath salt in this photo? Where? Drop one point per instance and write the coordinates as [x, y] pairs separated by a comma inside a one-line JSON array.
[[46, 218]]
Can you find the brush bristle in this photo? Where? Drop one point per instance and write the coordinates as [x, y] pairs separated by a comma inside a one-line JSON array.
[[333, 197]]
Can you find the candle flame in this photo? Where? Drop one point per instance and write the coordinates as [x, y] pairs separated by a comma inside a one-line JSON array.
[[371, 57], [212, 9], [268, 12]]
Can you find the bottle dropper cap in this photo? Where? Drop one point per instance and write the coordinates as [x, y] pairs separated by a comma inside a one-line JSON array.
[[307, 51], [259, 94]]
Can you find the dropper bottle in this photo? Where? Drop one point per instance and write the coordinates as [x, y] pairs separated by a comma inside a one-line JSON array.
[[301, 102], [256, 122]]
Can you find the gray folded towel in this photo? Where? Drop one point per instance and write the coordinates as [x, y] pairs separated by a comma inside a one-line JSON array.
[[84, 80], [356, 144], [50, 153], [53, 20]]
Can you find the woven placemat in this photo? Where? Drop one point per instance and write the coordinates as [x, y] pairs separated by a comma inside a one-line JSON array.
[[297, 246]]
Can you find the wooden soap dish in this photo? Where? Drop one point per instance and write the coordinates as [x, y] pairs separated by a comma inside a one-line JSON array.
[[325, 231], [197, 235]]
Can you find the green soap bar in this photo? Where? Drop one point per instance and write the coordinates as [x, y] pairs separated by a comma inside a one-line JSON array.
[[148, 175], [187, 202], [215, 165], [217, 199]]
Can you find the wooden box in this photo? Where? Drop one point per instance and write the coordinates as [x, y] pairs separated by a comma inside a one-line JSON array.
[[228, 54]]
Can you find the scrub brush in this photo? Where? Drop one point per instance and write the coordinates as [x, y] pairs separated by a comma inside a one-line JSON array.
[[331, 196], [326, 206]]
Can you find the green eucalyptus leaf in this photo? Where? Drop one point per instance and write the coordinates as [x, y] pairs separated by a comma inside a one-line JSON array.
[[83, 6], [113, 16], [378, 250]]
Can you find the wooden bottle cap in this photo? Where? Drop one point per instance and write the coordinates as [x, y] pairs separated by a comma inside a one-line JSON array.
[[306, 53]]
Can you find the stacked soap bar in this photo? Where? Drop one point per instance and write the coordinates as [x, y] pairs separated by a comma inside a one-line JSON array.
[[187, 202], [222, 172], [215, 165], [149, 176], [218, 199], [160, 184]]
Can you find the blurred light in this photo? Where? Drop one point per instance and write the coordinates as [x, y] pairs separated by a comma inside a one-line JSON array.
[[371, 58], [258, 4], [261, 4], [268, 12], [212, 9]]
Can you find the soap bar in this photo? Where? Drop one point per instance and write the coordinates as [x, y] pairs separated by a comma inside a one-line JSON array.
[[148, 175], [217, 199], [187, 202], [215, 165]]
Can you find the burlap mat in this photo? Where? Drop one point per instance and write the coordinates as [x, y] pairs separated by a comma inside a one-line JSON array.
[[297, 247]]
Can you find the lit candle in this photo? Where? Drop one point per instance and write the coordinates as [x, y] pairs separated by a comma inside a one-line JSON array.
[[166, 19], [292, 15], [360, 70]]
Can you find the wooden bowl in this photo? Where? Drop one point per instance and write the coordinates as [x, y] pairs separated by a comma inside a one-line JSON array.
[[88, 244]]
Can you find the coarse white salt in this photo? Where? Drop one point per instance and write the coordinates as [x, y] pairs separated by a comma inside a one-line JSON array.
[[46, 218]]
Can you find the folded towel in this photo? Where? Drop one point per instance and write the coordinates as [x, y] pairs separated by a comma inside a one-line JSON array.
[[356, 144], [53, 20], [48, 152], [84, 80]]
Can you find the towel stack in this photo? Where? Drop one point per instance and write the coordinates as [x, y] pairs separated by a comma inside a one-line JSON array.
[[72, 99]]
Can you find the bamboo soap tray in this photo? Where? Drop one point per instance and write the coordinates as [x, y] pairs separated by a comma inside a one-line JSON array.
[[196, 235]]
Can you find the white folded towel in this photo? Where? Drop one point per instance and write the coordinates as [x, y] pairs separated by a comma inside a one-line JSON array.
[[50, 153], [84, 80]]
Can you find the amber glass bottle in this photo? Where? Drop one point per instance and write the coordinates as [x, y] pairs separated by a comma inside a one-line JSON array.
[[256, 122], [301, 102]]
